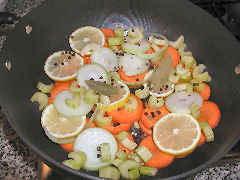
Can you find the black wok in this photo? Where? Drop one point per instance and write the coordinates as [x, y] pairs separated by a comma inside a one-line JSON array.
[[52, 24]]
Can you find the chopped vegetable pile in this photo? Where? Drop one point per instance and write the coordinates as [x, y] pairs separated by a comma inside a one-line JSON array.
[[125, 105]]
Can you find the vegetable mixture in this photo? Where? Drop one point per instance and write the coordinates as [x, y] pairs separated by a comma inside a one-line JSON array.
[[125, 104]]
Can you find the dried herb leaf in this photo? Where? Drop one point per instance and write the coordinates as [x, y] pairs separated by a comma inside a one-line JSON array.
[[102, 88], [160, 75]]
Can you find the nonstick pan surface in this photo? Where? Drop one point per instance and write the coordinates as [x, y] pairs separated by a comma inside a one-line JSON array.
[[53, 22]]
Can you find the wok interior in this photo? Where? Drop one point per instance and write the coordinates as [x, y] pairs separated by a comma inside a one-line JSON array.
[[51, 30]]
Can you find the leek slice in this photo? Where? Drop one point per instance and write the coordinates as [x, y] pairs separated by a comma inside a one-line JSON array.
[[109, 172], [113, 41], [126, 166], [149, 171], [135, 157], [142, 93], [184, 87], [143, 47], [182, 52], [131, 105], [45, 88], [176, 44], [135, 35], [195, 111], [144, 153], [154, 102], [116, 162], [79, 156], [121, 155], [105, 152], [199, 75], [75, 89], [207, 131], [157, 54], [41, 98], [102, 121]]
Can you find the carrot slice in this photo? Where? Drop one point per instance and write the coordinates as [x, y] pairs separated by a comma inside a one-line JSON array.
[[175, 56], [151, 116], [67, 147], [210, 113], [116, 128], [122, 116], [159, 159], [59, 87], [206, 92], [132, 79], [144, 129], [121, 147], [107, 33]]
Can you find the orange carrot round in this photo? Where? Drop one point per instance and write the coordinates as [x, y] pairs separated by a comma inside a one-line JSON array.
[[132, 79], [122, 116], [151, 116], [210, 113], [59, 87], [205, 93], [159, 159], [116, 128], [67, 147], [107, 33], [144, 129], [175, 56]]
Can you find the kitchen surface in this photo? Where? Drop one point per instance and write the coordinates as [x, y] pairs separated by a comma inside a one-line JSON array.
[[17, 161]]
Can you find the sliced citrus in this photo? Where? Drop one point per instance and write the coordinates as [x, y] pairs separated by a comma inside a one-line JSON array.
[[176, 134], [57, 140], [63, 65], [164, 91], [61, 127], [118, 100], [84, 36]]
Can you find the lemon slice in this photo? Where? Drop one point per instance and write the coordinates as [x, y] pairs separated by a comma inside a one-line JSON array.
[[63, 65], [61, 127], [57, 140], [84, 36], [166, 90], [118, 100], [176, 134]]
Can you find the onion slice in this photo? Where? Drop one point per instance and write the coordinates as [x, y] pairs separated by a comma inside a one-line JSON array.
[[132, 65]]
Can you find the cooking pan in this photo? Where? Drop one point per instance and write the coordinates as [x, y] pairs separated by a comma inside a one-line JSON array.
[[55, 20]]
